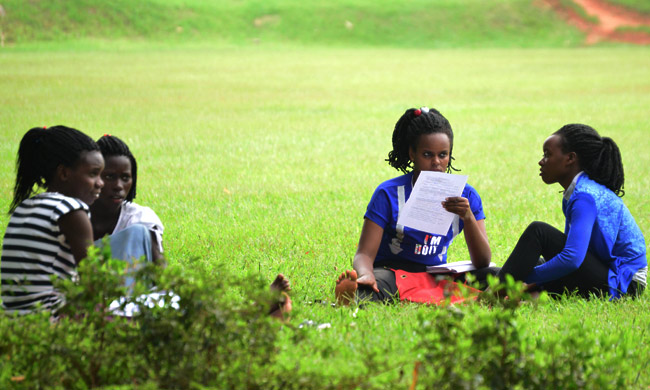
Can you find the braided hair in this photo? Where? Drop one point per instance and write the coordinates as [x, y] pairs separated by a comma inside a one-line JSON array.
[[41, 152], [409, 128], [599, 157], [112, 146]]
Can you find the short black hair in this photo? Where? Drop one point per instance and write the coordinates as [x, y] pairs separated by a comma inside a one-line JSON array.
[[408, 129], [110, 146]]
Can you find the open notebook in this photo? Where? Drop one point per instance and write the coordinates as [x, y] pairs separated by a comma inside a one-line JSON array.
[[453, 268]]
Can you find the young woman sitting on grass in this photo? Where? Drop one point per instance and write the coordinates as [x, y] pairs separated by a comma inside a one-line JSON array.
[[391, 259], [48, 233], [133, 230], [602, 250]]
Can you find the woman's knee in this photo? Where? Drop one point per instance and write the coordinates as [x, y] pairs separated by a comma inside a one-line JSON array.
[[132, 242], [541, 231], [384, 275], [137, 230], [135, 233], [385, 279], [536, 227]]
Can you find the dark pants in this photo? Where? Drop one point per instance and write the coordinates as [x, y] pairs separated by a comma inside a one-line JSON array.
[[388, 287], [541, 242]]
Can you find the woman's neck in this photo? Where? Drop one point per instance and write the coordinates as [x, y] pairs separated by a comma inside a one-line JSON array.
[[568, 179], [105, 212], [53, 187], [103, 220], [416, 174]]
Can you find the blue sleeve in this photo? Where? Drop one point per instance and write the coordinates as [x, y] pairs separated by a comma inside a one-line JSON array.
[[475, 203], [379, 210], [582, 215]]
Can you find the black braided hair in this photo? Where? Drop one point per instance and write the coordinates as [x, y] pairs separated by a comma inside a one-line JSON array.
[[111, 146], [408, 130], [599, 157], [40, 152]]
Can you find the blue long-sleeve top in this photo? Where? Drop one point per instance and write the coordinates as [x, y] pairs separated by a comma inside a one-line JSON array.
[[598, 221]]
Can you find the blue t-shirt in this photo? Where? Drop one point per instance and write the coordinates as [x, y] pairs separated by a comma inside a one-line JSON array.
[[403, 243], [597, 221]]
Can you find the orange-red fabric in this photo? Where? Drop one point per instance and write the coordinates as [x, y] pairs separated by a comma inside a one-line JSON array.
[[422, 287]]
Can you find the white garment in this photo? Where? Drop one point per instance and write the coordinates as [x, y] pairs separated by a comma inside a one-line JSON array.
[[132, 213]]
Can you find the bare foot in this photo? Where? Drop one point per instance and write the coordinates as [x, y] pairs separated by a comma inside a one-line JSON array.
[[346, 287], [283, 304], [281, 283]]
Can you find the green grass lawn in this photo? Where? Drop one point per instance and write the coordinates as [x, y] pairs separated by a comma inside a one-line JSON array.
[[262, 160]]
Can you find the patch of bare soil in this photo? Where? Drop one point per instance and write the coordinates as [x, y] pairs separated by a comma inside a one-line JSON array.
[[611, 17]]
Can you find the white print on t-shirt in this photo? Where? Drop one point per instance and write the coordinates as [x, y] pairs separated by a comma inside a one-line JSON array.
[[429, 246]]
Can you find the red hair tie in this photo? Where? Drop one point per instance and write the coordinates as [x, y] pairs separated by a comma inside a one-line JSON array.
[[417, 112]]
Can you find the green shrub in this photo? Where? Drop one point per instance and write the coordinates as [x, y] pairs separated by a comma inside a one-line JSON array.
[[214, 332], [217, 333], [473, 348]]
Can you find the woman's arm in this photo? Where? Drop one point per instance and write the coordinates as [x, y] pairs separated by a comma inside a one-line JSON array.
[[583, 218], [78, 231], [475, 234], [364, 259], [158, 258]]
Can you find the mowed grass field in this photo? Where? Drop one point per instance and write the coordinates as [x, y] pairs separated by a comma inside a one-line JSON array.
[[262, 160]]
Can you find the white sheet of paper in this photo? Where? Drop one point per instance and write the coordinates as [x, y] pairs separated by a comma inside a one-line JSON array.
[[423, 210]]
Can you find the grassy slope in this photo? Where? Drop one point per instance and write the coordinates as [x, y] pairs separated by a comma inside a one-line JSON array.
[[420, 24], [263, 160], [635, 5]]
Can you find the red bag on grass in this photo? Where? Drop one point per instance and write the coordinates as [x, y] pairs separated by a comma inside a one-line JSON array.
[[422, 287]]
